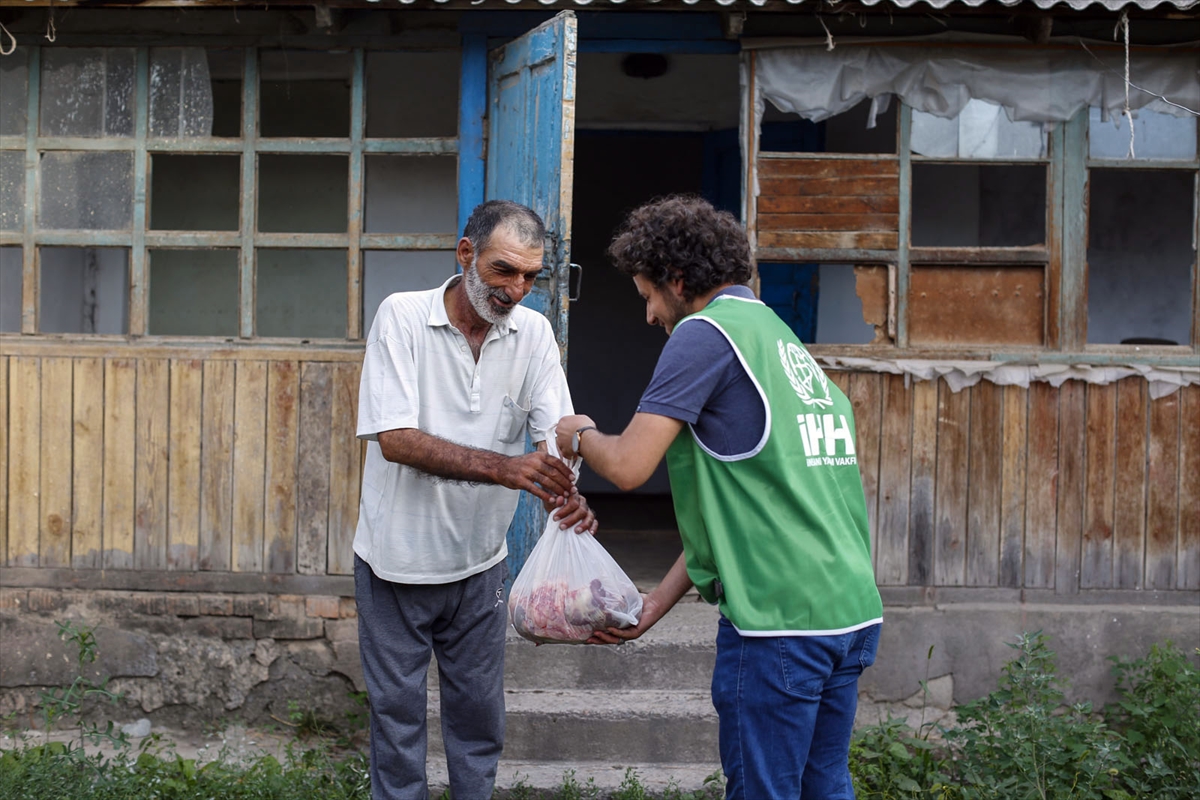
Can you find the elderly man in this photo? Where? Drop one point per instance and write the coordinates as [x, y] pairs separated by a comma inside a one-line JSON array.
[[453, 379], [760, 451]]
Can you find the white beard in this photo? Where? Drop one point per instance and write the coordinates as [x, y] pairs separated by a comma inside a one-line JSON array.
[[478, 293]]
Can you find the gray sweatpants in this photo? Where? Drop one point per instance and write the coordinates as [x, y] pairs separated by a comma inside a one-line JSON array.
[[399, 626]]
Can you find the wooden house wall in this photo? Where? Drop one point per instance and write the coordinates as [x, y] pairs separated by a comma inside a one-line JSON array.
[[177, 462]]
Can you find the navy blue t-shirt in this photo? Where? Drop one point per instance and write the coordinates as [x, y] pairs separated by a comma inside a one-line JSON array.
[[700, 380]]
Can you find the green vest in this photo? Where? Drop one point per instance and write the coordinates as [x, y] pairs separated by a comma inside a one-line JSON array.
[[778, 537]]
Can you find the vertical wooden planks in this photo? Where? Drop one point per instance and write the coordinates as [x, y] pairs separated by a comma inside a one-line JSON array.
[[55, 518], [283, 390], [4, 459], [345, 454], [1098, 493], [120, 435], [1129, 499], [183, 482], [1071, 436], [24, 462], [1188, 570], [865, 398], [87, 467], [313, 470], [1012, 485], [1041, 493], [150, 487], [840, 380], [249, 465], [924, 465], [216, 466], [891, 567], [1162, 493], [984, 489], [950, 501]]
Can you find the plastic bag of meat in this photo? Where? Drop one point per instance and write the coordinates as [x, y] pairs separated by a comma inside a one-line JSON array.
[[570, 586]]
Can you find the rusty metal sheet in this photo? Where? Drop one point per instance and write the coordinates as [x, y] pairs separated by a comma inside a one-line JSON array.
[[956, 305]]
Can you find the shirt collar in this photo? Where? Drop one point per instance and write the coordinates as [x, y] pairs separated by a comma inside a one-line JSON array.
[[744, 292], [438, 316]]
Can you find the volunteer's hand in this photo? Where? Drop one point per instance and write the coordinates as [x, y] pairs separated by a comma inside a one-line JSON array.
[[652, 612], [544, 476], [576, 515], [566, 428]]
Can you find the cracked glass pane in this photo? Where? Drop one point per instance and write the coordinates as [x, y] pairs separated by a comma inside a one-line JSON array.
[[12, 190], [181, 97], [87, 92], [14, 93], [92, 190]]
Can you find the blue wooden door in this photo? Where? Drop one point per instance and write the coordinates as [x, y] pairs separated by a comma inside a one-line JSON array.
[[530, 160]]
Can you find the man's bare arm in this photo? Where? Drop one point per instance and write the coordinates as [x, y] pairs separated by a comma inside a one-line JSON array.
[[627, 460], [538, 473]]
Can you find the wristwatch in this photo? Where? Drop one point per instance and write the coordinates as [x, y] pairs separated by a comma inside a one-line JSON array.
[[575, 438]]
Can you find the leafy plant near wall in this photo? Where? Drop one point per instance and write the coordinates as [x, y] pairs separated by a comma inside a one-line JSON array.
[[59, 703]]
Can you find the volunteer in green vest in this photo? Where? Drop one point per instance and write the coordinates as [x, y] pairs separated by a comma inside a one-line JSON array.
[[760, 451]]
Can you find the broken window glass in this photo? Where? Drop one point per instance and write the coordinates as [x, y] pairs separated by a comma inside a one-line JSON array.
[[411, 194], [852, 304], [399, 108], [305, 93], [869, 127], [87, 91], [90, 190], [14, 93], [301, 294], [978, 205], [225, 68], [1141, 250], [303, 194], [194, 292], [1156, 135], [981, 130], [12, 190], [11, 271], [181, 100], [195, 193], [389, 271], [83, 290]]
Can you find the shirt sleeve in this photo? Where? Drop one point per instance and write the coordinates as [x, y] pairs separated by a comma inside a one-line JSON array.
[[691, 368], [388, 396], [550, 400]]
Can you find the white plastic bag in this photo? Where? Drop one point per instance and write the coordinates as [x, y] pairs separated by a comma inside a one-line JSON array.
[[570, 586]]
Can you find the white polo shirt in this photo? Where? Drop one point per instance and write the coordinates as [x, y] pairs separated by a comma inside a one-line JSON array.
[[418, 372]]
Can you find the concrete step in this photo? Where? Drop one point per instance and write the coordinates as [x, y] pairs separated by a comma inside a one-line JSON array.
[[607, 776]]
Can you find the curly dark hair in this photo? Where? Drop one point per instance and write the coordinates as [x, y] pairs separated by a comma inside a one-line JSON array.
[[684, 237]]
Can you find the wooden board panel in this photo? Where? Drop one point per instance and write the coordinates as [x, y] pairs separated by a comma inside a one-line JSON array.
[[879, 204], [828, 222], [87, 468], [120, 436], [312, 471], [4, 458], [924, 483], [55, 519], [865, 399], [1162, 493], [984, 486], [1099, 490], [817, 241], [1012, 485], [183, 482], [216, 467], [976, 305], [832, 187], [150, 488], [249, 465], [1071, 435], [345, 465], [950, 500], [1188, 573], [283, 395], [24, 460], [1041, 492], [1129, 512], [828, 167], [891, 567], [840, 380]]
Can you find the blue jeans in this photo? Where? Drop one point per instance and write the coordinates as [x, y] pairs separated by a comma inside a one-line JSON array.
[[786, 706]]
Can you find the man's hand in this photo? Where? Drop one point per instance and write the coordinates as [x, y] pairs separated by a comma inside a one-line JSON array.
[[545, 477], [651, 613], [577, 515], [565, 431]]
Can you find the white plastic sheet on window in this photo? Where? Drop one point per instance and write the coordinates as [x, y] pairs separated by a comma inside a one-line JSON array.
[[87, 91], [87, 190], [1032, 85], [14, 93], [982, 130], [1156, 135], [181, 98], [12, 190]]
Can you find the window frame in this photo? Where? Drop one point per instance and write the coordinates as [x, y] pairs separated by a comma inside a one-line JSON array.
[[139, 239]]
